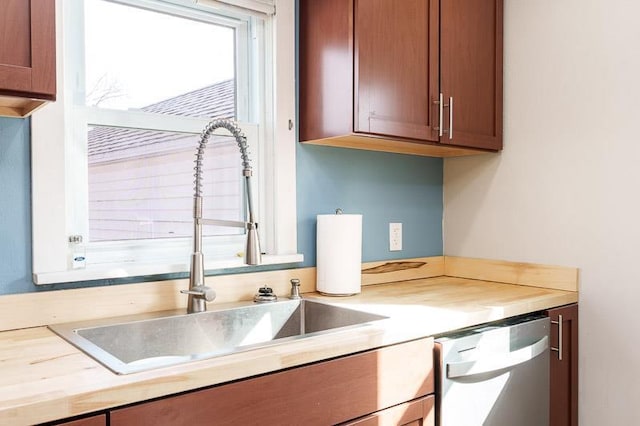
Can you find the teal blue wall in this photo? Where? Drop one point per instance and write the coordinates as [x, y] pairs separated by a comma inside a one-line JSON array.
[[15, 207], [382, 187]]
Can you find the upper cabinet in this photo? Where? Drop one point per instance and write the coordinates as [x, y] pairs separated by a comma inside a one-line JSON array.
[[27, 55], [417, 76], [471, 72]]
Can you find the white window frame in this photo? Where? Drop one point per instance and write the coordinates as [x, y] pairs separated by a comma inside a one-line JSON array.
[[53, 164]]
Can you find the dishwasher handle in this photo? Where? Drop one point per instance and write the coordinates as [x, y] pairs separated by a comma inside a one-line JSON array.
[[494, 362]]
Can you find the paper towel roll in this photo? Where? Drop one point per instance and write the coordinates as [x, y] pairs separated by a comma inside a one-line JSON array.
[[339, 254]]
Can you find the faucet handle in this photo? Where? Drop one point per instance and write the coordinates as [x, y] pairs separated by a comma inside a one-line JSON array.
[[295, 289], [201, 291], [265, 294]]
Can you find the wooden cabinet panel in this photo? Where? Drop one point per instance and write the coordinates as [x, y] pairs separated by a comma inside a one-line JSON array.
[[43, 49], [326, 71], [328, 392], [564, 366], [27, 54], [471, 71], [414, 413], [396, 68], [98, 420], [15, 33]]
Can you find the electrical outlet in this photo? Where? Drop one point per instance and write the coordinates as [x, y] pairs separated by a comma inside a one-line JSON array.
[[395, 236]]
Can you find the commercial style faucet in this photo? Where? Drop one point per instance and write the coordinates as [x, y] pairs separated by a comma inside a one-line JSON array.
[[198, 293]]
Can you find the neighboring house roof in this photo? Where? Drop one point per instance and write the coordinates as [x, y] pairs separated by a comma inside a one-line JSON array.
[[211, 101], [112, 143]]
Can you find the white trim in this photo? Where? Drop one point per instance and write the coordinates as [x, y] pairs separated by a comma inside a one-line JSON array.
[[265, 7], [48, 199], [284, 154], [135, 270], [189, 9], [143, 120]]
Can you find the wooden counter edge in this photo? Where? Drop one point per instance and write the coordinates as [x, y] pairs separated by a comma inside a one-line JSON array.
[[519, 273]]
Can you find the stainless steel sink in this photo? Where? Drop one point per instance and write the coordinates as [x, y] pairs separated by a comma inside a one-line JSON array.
[[133, 344]]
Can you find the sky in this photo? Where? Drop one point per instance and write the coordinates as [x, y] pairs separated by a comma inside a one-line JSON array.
[[137, 54]]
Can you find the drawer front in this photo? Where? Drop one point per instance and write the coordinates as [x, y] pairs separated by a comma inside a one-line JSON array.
[[327, 392], [415, 413]]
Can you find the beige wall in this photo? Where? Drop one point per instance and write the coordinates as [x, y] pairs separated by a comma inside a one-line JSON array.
[[566, 188]]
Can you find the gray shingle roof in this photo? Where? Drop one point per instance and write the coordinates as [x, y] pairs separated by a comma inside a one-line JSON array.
[[112, 143], [211, 101]]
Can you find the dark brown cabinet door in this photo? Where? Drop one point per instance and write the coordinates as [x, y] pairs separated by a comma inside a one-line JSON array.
[[326, 68], [564, 366], [414, 413], [27, 48], [99, 420], [324, 393], [471, 72], [396, 68]]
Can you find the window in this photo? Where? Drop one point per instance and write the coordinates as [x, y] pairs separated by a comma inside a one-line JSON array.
[[113, 158], [139, 176]]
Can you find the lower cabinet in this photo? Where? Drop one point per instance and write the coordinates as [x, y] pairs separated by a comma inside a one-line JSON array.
[[97, 420], [563, 404], [384, 384], [415, 413]]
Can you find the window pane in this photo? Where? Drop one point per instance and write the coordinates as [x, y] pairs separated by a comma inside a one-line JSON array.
[[151, 61], [141, 184]]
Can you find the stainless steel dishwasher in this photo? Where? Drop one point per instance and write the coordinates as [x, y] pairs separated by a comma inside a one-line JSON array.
[[494, 375]]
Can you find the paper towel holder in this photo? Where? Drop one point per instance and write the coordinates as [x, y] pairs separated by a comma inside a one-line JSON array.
[[339, 254]]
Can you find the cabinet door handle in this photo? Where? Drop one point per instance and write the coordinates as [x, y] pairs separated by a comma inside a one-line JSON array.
[[491, 362], [440, 103], [450, 117], [441, 106], [559, 348]]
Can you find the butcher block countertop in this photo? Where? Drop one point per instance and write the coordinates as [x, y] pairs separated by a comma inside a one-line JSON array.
[[44, 378]]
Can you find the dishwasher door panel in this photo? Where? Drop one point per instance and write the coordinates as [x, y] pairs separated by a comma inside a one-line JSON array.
[[494, 376]]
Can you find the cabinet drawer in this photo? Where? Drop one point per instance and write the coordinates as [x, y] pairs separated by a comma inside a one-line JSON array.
[[415, 413], [327, 392], [99, 420]]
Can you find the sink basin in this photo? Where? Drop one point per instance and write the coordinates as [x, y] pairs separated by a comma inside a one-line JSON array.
[[133, 344]]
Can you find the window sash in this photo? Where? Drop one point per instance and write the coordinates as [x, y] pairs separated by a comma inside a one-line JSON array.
[[92, 115], [215, 247]]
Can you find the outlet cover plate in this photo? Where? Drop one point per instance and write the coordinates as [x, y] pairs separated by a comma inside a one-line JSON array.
[[395, 236]]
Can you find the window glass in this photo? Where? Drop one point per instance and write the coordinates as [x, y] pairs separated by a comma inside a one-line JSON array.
[[136, 58], [141, 184]]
